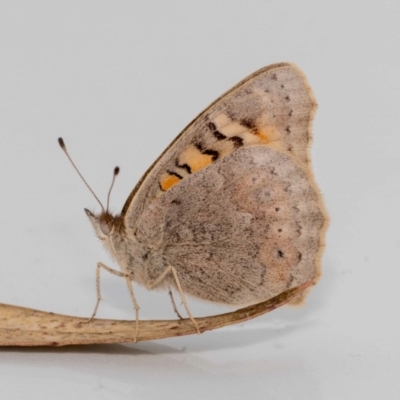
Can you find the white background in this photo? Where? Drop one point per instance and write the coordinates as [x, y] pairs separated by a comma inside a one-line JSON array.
[[119, 80]]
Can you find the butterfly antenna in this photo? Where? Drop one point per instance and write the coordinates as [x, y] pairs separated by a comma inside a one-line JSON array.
[[116, 172], [62, 145]]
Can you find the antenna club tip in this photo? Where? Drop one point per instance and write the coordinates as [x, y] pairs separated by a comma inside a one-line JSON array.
[[61, 142], [116, 171]]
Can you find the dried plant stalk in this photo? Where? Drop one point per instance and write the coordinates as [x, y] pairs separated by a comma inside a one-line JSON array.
[[21, 326]]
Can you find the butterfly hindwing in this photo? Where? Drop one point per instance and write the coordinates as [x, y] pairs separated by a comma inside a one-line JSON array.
[[238, 232]]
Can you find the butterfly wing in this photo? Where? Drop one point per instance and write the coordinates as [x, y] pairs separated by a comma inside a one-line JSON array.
[[273, 107], [240, 231]]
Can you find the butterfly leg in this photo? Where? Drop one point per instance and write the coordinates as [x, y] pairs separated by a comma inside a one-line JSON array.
[[171, 269], [130, 289], [171, 296]]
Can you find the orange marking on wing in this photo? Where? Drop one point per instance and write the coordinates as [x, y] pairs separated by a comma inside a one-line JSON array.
[[195, 159], [267, 134], [168, 181]]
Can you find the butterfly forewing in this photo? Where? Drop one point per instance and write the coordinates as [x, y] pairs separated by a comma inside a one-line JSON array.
[[273, 107]]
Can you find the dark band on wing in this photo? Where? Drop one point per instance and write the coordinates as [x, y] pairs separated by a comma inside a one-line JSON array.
[[218, 135], [196, 162], [175, 174], [213, 153], [186, 167]]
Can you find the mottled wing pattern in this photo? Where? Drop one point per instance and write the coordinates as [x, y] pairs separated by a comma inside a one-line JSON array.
[[241, 231], [272, 107]]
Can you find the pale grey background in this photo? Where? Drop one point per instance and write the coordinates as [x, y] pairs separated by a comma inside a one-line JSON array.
[[118, 80]]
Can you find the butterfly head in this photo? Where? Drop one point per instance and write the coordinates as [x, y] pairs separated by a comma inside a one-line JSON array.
[[103, 224]]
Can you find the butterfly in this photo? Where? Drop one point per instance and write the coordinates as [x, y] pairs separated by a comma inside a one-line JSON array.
[[230, 212]]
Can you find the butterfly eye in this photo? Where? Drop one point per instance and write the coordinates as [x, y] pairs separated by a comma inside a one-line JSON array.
[[105, 228]]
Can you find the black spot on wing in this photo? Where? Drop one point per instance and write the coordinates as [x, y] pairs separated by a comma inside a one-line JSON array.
[[237, 141], [219, 135], [248, 123], [211, 126]]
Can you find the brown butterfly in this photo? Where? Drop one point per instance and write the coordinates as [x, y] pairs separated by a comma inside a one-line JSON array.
[[230, 211]]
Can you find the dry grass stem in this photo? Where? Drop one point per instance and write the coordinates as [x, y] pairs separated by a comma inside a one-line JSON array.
[[21, 326]]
